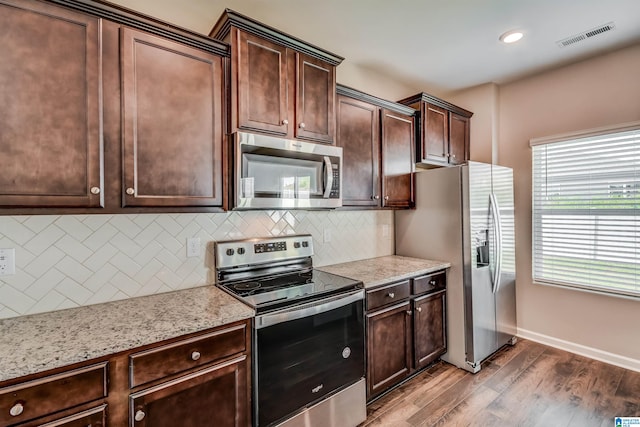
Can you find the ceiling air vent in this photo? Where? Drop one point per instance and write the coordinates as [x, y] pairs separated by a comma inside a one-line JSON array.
[[586, 34]]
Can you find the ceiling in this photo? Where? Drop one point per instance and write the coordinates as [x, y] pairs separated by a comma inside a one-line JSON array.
[[435, 45]]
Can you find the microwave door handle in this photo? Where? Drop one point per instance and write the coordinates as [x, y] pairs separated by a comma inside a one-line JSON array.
[[328, 177]]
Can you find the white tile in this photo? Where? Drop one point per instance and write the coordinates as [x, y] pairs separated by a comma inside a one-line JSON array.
[[169, 278], [44, 261], [148, 234], [100, 257], [106, 293], [73, 269], [125, 283], [6, 312], [100, 278], [15, 300], [37, 223], [19, 281], [170, 243], [73, 248], [126, 245], [151, 287], [125, 226], [23, 257], [169, 224], [169, 260], [50, 302], [102, 235], [44, 239], [143, 220], [95, 222], [148, 252], [74, 227], [125, 264], [73, 291], [44, 284], [185, 219], [14, 230], [148, 271]]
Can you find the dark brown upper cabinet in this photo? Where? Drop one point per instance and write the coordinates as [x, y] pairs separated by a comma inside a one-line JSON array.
[[173, 122], [50, 107], [377, 139], [442, 131], [280, 85]]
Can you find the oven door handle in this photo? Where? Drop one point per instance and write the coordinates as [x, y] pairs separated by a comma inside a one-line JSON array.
[[306, 310]]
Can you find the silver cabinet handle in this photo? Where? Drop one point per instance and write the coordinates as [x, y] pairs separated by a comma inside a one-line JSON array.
[[391, 295], [386, 197], [376, 197], [419, 309], [130, 191], [139, 416], [16, 409], [285, 122], [195, 355], [432, 282], [301, 125], [95, 190], [409, 312]]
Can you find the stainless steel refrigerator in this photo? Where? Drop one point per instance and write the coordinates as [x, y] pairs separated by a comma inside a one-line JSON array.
[[465, 215]]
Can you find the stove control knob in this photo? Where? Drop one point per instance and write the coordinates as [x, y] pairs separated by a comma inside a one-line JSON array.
[[230, 251], [240, 251], [296, 245], [305, 244]]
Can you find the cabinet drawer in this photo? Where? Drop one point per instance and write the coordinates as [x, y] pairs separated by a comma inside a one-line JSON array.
[[90, 418], [387, 295], [54, 393], [429, 283], [173, 358]]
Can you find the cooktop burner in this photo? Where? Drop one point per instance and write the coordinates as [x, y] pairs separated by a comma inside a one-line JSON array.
[[291, 288]]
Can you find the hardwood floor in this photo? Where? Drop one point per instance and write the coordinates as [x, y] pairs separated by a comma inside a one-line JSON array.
[[528, 384]]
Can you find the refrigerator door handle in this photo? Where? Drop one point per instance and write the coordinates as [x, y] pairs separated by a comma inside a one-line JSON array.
[[497, 222]]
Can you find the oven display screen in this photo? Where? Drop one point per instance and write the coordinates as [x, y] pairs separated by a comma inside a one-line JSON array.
[[270, 247]]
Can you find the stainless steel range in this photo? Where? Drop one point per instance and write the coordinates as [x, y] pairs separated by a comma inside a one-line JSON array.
[[308, 334]]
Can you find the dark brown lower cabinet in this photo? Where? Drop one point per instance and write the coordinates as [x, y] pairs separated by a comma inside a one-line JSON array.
[[95, 417], [216, 393], [388, 347], [406, 330], [429, 338]]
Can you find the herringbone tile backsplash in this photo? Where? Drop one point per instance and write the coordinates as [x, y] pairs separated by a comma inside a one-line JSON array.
[[74, 260]]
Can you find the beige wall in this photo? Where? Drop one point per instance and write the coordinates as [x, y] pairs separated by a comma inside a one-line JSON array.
[[597, 92]]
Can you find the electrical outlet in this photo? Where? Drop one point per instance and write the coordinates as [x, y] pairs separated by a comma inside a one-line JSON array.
[[326, 235], [7, 262], [193, 247], [385, 230]]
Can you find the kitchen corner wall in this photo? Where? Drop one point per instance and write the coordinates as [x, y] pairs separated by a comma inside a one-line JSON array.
[[75, 260]]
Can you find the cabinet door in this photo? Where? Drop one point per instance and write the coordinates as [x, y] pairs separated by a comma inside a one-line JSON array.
[[388, 347], [458, 139], [435, 144], [172, 102], [262, 78], [50, 111], [213, 396], [359, 136], [429, 336], [397, 160], [315, 99]]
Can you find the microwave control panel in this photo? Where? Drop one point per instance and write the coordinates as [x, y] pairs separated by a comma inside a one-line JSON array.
[[335, 187]]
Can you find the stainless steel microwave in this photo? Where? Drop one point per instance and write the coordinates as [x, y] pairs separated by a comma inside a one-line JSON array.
[[275, 173]]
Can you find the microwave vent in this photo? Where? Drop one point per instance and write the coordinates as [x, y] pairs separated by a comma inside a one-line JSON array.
[[586, 34]]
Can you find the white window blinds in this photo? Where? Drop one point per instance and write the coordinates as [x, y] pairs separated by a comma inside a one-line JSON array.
[[586, 211]]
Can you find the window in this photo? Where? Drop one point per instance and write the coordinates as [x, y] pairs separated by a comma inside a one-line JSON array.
[[586, 210]]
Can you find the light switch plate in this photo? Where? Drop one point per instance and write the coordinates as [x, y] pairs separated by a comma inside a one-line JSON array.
[[193, 247], [7, 262]]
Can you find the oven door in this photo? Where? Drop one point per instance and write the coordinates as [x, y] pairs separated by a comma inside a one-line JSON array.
[[306, 353], [282, 174]]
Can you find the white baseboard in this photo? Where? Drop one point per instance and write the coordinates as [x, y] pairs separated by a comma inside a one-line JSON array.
[[593, 353]]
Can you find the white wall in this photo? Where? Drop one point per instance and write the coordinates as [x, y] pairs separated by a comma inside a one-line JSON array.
[[598, 92], [65, 261]]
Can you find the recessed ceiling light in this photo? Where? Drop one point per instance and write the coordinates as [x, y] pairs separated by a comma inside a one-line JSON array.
[[511, 36]]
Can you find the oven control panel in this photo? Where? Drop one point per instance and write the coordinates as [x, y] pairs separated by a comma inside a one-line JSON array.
[[239, 253]]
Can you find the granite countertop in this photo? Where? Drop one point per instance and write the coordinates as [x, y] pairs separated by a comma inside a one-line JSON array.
[[377, 271], [39, 342]]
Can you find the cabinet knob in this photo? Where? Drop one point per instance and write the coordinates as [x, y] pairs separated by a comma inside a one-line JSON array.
[[16, 409], [419, 309], [432, 282], [195, 355], [285, 122], [375, 197], [386, 197], [301, 125], [130, 191], [409, 312], [453, 156], [391, 295], [95, 190], [139, 416]]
